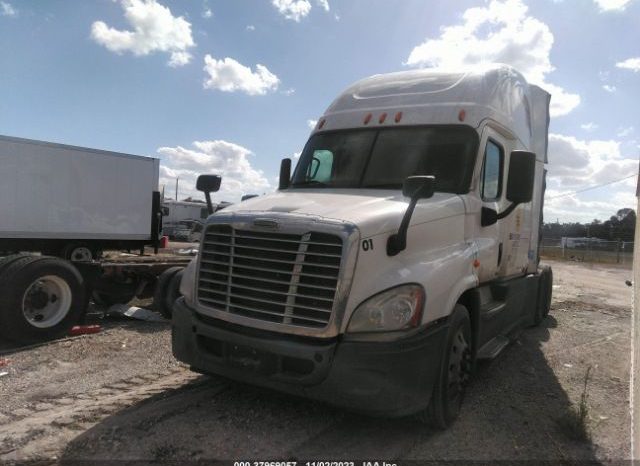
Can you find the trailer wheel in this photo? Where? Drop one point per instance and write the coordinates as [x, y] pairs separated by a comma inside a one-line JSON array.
[[43, 297], [455, 371], [545, 291], [78, 252], [161, 291]]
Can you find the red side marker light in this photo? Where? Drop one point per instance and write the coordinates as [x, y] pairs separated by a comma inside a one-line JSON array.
[[367, 118], [321, 123], [398, 117], [462, 114], [84, 330], [476, 263], [382, 118]]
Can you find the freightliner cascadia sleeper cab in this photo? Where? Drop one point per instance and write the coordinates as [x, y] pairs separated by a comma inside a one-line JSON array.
[[403, 247]]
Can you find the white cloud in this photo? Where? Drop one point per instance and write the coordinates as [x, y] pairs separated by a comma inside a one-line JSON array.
[[228, 75], [324, 4], [293, 9], [6, 9], [612, 5], [229, 160], [623, 132], [296, 155], [609, 88], [251, 27], [575, 164], [207, 13], [154, 29], [312, 123], [500, 32], [632, 64], [289, 91], [589, 126]]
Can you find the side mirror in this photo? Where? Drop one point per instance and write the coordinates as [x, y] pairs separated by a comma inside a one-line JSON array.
[[416, 188], [285, 174], [522, 166], [421, 187], [208, 184]]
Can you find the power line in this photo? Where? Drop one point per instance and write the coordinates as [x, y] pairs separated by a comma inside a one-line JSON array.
[[592, 187]]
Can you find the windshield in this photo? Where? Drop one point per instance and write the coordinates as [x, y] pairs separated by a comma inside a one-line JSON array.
[[384, 158]]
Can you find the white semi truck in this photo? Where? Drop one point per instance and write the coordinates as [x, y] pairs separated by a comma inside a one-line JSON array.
[[403, 248]]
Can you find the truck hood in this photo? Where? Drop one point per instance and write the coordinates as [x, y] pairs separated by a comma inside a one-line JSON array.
[[374, 211]]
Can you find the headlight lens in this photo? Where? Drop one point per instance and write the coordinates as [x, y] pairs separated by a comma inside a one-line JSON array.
[[396, 309], [188, 283]]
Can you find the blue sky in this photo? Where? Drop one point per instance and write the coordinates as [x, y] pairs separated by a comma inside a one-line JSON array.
[[230, 86]]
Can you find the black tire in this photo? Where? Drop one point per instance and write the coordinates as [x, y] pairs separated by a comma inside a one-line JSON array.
[[160, 293], [545, 291], [454, 374], [6, 261], [18, 279], [79, 252], [173, 293]]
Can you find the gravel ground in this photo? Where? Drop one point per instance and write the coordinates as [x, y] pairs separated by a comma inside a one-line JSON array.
[[119, 394]]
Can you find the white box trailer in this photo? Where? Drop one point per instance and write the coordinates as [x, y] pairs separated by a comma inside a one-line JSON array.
[[403, 248], [73, 201]]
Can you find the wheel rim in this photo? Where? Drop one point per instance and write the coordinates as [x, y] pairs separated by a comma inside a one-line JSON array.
[[81, 254], [46, 301], [459, 367]]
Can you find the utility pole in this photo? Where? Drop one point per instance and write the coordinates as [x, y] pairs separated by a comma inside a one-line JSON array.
[[177, 179]]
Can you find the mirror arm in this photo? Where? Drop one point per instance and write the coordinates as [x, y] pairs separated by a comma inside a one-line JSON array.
[[508, 210], [207, 195], [398, 241]]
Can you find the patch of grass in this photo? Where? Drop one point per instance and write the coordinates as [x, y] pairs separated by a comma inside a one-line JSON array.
[[574, 422]]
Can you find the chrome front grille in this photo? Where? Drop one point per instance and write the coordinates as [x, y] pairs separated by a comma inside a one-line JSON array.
[[276, 277]]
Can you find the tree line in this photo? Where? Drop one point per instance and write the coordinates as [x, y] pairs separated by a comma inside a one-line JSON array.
[[619, 227]]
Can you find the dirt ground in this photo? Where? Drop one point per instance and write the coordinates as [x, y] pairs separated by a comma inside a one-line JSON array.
[[120, 394]]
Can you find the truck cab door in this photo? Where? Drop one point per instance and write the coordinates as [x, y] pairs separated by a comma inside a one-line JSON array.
[[490, 190]]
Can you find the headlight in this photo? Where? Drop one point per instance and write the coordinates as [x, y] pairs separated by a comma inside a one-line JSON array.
[[188, 283], [396, 309]]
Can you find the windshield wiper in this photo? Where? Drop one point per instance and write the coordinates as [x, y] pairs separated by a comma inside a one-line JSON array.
[[309, 183]]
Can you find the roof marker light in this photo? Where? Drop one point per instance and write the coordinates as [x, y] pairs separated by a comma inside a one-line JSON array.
[[382, 118], [398, 117], [462, 114], [367, 118], [321, 123]]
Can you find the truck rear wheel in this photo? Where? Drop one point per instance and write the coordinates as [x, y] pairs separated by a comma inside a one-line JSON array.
[[43, 297], [455, 371], [161, 292]]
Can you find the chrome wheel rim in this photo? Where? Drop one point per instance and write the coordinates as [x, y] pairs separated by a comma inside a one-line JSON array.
[[46, 301]]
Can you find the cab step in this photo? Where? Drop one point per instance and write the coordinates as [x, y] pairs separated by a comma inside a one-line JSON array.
[[493, 347]]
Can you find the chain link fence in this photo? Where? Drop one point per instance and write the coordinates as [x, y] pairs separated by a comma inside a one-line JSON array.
[[588, 250]]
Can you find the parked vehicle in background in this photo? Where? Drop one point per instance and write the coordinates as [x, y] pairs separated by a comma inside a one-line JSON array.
[[69, 204], [74, 202], [196, 232], [403, 248]]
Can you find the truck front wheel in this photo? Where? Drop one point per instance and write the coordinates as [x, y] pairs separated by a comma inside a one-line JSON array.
[[454, 374], [42, 298]]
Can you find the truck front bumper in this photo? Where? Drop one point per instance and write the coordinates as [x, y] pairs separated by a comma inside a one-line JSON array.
[[390, 378]]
